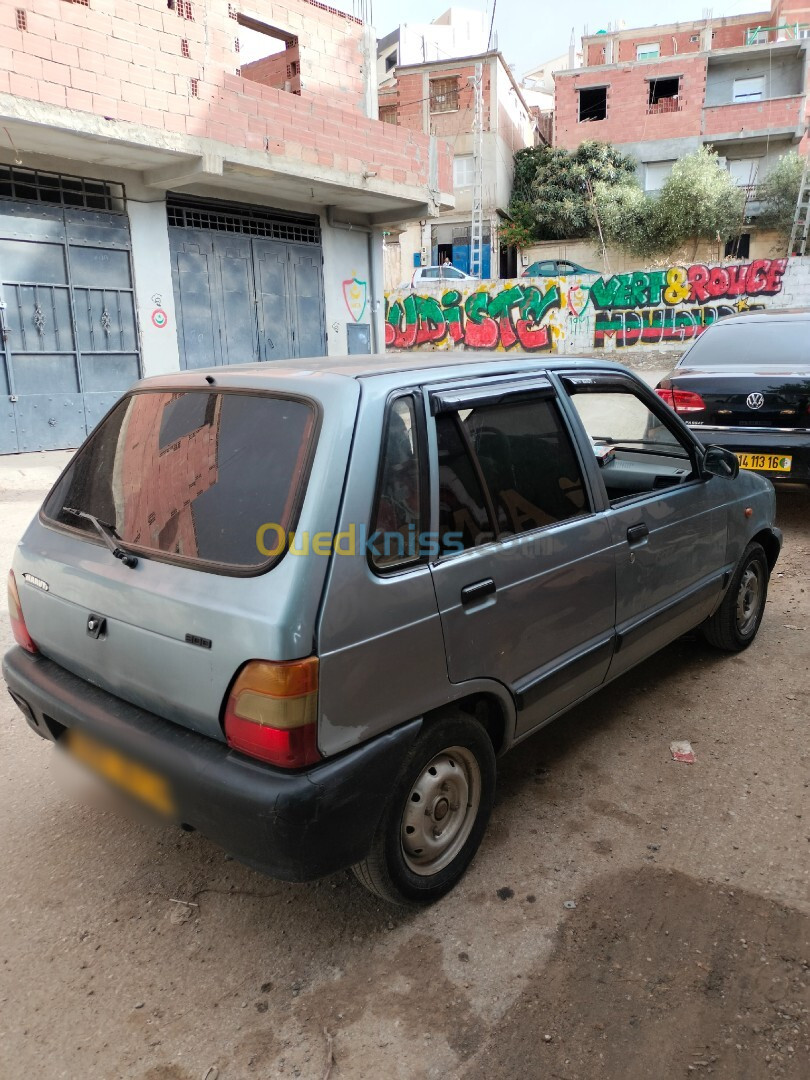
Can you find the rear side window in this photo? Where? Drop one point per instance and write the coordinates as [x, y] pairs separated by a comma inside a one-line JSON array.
[[397, 516], [200, 476], [505, 469], [528, 463]]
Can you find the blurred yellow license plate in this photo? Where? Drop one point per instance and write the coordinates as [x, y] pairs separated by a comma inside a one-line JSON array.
[[765, 462], [135, 779]]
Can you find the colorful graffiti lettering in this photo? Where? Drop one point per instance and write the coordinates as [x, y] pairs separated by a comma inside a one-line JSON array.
[[649, 307], [654, 326], [511, 317], [696, 284], [646, 306]]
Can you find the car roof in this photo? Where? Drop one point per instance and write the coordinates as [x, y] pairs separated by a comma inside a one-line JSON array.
[[797, 314], [434, 365]]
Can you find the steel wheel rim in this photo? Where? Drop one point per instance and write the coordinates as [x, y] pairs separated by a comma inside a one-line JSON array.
[[440, 811], [749, 599]]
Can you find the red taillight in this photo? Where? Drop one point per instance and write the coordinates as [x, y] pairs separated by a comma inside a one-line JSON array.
[[682, 401], [18, 627], [272, 712]]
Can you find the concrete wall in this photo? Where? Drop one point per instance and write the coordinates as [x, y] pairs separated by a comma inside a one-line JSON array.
[[662, 310], [783, 74], [154, 290], [353, 290], [763, 245]]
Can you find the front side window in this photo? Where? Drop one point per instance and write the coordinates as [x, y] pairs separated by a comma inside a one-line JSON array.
[[194, 475], [396, 525], [637, 451]]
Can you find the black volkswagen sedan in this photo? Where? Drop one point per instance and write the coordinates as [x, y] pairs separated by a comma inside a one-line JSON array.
[[745, 384]]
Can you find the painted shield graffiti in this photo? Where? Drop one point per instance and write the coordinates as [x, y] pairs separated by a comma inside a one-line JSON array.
[[578, 298], [354, 293]]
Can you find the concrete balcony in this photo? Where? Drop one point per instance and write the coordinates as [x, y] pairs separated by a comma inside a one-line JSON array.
[[158, 96], [777, 117]]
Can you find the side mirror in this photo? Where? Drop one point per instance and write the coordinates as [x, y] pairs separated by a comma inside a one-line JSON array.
[[720, 462]]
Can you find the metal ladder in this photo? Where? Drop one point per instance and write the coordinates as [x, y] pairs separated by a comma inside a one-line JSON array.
[[800, 233]]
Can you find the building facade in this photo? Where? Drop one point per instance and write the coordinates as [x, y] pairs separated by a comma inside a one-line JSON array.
[[739, 84], [438, 99], [186, 183]]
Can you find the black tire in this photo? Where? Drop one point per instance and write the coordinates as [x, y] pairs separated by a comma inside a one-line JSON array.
[[416, 856], [734, 625]]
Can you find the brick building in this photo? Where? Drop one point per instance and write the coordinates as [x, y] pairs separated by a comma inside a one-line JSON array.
[[185, 183], [437, 98], [739, 84]]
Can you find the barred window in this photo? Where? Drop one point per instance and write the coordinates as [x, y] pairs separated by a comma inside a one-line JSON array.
[[444, 95]]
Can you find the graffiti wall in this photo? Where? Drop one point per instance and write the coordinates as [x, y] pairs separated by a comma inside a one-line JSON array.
[[651, 308]]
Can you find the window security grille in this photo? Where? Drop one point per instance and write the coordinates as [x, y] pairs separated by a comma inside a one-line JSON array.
[[247, 221], [56, 189]]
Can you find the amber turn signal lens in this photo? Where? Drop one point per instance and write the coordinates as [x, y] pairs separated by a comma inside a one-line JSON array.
[[272, 712]]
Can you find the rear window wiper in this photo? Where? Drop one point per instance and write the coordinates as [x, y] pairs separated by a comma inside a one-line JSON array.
[[108, 534]]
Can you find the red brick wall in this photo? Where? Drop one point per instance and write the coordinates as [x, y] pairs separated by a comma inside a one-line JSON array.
[[728, 34], [282, 70], [408, 95], [628, 90], [411, 90], [124, 60], [753, 116]]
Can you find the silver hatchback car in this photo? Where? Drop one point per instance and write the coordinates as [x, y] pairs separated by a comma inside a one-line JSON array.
[[303, 607]]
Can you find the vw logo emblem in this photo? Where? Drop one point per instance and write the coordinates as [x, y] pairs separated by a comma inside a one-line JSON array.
[[755, 401]]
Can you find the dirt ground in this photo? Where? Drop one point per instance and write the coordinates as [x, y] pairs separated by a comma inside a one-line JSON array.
[[628, 916]]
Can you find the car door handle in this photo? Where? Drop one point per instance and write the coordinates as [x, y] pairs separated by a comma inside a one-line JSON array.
[[637, 533], [477, 591]]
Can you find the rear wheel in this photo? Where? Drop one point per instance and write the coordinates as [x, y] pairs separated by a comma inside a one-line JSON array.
[[436, 815], [735, 623]]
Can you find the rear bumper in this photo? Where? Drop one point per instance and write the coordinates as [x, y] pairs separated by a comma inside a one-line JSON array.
[[295, 826], [765, 440]]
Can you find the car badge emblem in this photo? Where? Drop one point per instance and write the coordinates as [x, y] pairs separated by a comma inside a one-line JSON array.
[[37, 582], [755, 401]]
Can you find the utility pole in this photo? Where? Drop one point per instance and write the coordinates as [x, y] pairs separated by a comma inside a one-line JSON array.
[[477, 223]]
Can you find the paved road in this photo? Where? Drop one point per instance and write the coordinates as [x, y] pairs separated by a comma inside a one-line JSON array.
[[685, 947]]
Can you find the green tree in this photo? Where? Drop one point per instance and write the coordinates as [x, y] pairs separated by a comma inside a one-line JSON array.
[[552, 188], [779, 192], [630, 220], [698, 202]]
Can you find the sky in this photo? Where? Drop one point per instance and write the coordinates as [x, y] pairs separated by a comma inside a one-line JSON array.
[[531, 31]]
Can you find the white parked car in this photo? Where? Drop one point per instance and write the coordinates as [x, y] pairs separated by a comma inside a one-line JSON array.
[[429, 275]]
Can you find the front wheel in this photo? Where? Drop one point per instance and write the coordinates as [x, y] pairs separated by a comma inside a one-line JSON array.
[[436, 816], [735, 623]]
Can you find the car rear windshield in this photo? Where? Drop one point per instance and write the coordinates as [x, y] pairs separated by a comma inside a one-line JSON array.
[[776, 341], [191, 476]]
